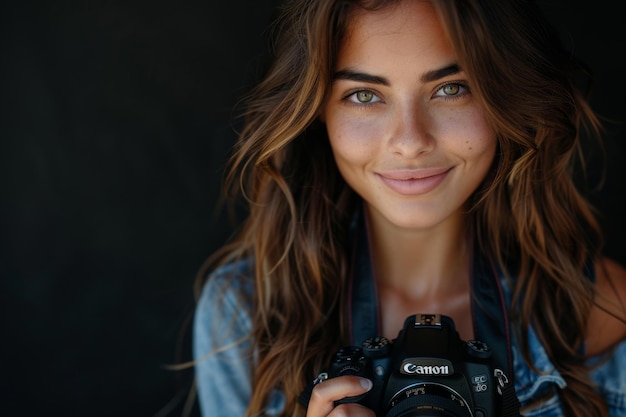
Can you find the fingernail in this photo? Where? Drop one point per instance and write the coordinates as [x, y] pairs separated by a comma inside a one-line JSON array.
[[366, 383]]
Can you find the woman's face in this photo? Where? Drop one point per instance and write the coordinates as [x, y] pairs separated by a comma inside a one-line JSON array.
[[405, 130]]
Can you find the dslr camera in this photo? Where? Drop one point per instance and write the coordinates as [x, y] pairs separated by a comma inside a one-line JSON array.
[[426, 371]]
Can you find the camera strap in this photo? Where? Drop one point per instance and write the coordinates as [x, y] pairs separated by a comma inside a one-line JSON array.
[[489, 312], [363, 313], [491, 325]]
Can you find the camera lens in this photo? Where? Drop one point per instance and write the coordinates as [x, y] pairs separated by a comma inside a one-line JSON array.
[[427, 399]]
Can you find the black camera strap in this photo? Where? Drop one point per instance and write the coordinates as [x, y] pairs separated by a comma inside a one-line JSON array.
[[363, 313], [489, 312]]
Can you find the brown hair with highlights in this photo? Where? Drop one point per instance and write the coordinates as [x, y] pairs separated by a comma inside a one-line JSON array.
[[530, 217]]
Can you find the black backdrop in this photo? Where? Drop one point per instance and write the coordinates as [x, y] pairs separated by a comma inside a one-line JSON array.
[[114, 129]]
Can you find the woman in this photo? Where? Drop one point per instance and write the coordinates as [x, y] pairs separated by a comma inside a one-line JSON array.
[[409, 142]]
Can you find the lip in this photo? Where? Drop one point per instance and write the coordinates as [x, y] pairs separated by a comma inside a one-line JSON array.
[[414, 182]]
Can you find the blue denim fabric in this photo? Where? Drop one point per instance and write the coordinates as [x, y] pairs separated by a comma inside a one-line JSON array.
[[221, 347], [537, 391], [611, 379]]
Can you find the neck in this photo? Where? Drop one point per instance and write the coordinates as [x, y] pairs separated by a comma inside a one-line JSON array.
[[424, 262]]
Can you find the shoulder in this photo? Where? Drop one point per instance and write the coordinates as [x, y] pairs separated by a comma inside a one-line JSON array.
[[221, 342], [225, 302], [607, 321], [232, 282]]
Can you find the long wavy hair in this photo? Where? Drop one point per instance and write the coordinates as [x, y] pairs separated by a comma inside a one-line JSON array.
[[529, 217]]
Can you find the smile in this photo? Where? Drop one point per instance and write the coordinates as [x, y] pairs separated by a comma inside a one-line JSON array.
[[414, 182]]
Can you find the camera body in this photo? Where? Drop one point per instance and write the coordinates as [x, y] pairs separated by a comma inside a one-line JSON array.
[[426, 371]]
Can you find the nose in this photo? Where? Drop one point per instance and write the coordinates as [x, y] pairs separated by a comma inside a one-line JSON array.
[[409, 134]]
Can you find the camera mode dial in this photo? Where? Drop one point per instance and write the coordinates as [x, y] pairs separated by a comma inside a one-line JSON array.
[[376, 347]]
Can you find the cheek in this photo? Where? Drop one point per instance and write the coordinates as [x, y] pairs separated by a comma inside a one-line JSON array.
[[352, 140], [473, 138]]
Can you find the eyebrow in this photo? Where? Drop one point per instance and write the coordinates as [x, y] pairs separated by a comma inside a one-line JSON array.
[[350, 75], [429, 76], [437, 74]]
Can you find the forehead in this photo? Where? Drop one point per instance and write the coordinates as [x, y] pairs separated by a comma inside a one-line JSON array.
[[401, 29]]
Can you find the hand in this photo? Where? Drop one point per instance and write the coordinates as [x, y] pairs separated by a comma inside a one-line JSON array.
[[326, 393]]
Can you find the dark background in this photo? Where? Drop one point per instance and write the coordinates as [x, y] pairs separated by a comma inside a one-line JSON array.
[[114, 129]]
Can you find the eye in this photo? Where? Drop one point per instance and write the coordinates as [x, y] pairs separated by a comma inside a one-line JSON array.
[[452, 90], [363, 97]]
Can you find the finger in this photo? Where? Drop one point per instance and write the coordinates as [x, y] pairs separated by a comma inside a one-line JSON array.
[[326, 393], [352, 409]]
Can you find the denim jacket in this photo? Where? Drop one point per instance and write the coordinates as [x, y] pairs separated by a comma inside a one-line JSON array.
[[221, 347]]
